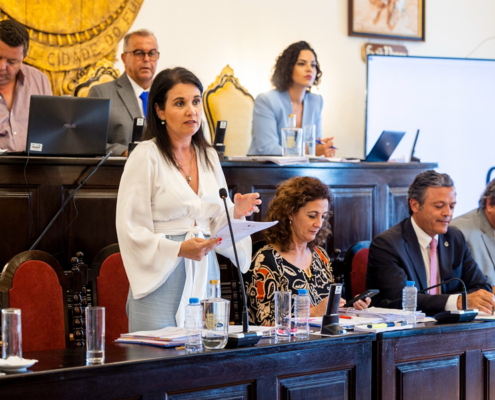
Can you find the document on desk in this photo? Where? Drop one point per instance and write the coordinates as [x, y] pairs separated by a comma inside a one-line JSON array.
[[388, 314], [279, 160], [484, 316], [346, 321], [241, 229]]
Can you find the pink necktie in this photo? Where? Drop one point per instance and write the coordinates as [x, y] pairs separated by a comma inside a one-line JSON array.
[[433, 266]]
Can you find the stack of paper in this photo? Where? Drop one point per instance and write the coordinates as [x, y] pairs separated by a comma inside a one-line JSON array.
[[388, 314], [274, 159], [167, 337], [364, 328], [347, 322]]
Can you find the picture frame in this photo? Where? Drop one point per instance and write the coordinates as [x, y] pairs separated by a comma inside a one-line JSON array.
[[387, 19]]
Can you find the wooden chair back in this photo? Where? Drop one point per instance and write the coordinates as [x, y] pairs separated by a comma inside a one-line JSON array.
[[34, 282], [227, 100], [110, 288], [101, 73]]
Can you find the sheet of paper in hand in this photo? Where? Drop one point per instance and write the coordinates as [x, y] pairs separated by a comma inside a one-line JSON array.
[[241, 229]]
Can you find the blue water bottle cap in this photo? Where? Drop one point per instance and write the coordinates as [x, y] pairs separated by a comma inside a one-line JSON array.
[[302, 291], [409, 283], [193, 300]]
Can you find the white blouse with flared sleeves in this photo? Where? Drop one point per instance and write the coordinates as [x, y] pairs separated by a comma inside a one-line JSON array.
[[154, 201]]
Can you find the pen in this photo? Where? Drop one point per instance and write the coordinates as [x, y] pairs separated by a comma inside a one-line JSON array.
[[345, 317], [320, 142]]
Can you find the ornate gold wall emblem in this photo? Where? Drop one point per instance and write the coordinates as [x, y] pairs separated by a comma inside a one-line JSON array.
[[69, 37]]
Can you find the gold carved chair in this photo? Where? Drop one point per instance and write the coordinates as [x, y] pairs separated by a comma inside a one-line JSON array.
[[101, 73], [226, 99]]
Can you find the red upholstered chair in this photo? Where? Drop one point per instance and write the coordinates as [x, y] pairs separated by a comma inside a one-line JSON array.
[[110, 289], [35, 282], [356, 264]]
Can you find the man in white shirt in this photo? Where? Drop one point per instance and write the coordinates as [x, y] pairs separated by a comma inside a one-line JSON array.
[[129, 93], [478, 226], [425, 250]]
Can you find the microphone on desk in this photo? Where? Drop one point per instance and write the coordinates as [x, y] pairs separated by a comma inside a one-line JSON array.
[[137, 132], [330, 321], [245, 338], [464, 315]]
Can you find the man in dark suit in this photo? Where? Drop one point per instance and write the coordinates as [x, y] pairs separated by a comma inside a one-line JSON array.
[[425, 250], [129, 93]]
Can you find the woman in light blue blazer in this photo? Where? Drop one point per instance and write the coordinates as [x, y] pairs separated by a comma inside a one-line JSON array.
[[295, 72]]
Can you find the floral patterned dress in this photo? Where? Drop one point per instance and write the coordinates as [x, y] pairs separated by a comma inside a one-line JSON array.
[[270, 272]]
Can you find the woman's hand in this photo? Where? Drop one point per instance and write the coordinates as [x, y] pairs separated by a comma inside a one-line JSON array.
[[321, 309], [325, 149], [196, 248], [246, 204], [362, 305]]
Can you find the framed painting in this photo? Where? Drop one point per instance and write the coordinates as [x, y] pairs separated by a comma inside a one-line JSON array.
[[387, 19]]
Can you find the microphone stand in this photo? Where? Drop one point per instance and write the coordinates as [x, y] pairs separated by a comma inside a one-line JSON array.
[[67, 201], [246, 338]]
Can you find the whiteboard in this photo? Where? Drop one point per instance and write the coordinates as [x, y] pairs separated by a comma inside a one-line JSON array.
[[451, 101]]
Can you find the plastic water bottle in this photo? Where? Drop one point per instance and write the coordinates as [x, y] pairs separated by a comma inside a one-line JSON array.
[[409, 302], [193, 324], [301, 314]]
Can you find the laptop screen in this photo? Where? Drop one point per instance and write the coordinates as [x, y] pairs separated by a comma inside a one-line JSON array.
[[68, 126]]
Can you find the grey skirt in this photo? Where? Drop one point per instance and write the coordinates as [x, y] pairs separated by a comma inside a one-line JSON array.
[[157, 310]]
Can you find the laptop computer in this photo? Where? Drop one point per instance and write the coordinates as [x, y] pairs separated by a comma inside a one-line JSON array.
[[67, 126], [384, 146], [413, 158]]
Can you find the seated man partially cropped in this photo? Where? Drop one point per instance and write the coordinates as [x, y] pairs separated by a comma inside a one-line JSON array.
[[18, 82], [423, 249]]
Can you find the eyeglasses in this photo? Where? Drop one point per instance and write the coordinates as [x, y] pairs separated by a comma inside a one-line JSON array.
[[139, 54]]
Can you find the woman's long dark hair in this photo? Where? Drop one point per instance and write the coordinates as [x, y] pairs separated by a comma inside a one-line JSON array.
[[162, 84], [284, 66]]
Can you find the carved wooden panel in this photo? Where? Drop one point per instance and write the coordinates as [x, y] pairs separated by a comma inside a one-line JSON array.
[[489, 378], [397, 205], [235, 392], [18, 220], [433, 379], [353, 210], [327, 385], [87, 230]]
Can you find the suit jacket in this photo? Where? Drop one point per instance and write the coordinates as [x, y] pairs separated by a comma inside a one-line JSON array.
[[395, 257], [481, 239], [124, 107], [271, 114]]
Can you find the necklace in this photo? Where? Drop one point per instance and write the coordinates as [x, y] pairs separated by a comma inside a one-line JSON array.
[[181, 169]]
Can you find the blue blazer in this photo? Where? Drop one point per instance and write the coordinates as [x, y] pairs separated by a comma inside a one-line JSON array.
[[271, 114]]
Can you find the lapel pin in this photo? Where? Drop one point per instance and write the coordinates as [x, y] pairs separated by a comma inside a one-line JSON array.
[[446, 244]]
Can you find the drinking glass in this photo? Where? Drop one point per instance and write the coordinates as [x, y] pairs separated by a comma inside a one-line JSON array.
[[292, 142], [310, 140], [283, 309], [11, 333], [95, 335], [216, 315]]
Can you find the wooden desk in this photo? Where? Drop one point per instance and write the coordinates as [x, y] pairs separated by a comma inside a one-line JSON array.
[[330, 368], [436, 362], [368, 198]]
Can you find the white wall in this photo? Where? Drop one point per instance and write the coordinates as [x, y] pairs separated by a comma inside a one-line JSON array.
[[205, 35]]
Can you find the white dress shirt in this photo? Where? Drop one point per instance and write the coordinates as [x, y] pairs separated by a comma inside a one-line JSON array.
[[424, 243]]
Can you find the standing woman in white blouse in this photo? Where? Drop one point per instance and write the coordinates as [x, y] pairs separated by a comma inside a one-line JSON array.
[[168, 206]]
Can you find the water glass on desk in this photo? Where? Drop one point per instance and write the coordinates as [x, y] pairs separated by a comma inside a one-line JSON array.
[[283, 309], [11, 333], [292, 142], [95, 335], [309, 144]]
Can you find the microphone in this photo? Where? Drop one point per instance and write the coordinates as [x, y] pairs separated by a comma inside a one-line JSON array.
[[245, 338], [67, 202], [137, 132], [218, 141], [330, 321], [464, 315]]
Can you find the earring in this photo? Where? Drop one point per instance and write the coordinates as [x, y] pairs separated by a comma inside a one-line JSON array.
[[163, 122]]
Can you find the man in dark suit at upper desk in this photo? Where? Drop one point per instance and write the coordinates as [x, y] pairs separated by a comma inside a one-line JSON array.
[[423, 249], [478, 226], [129, 93]]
